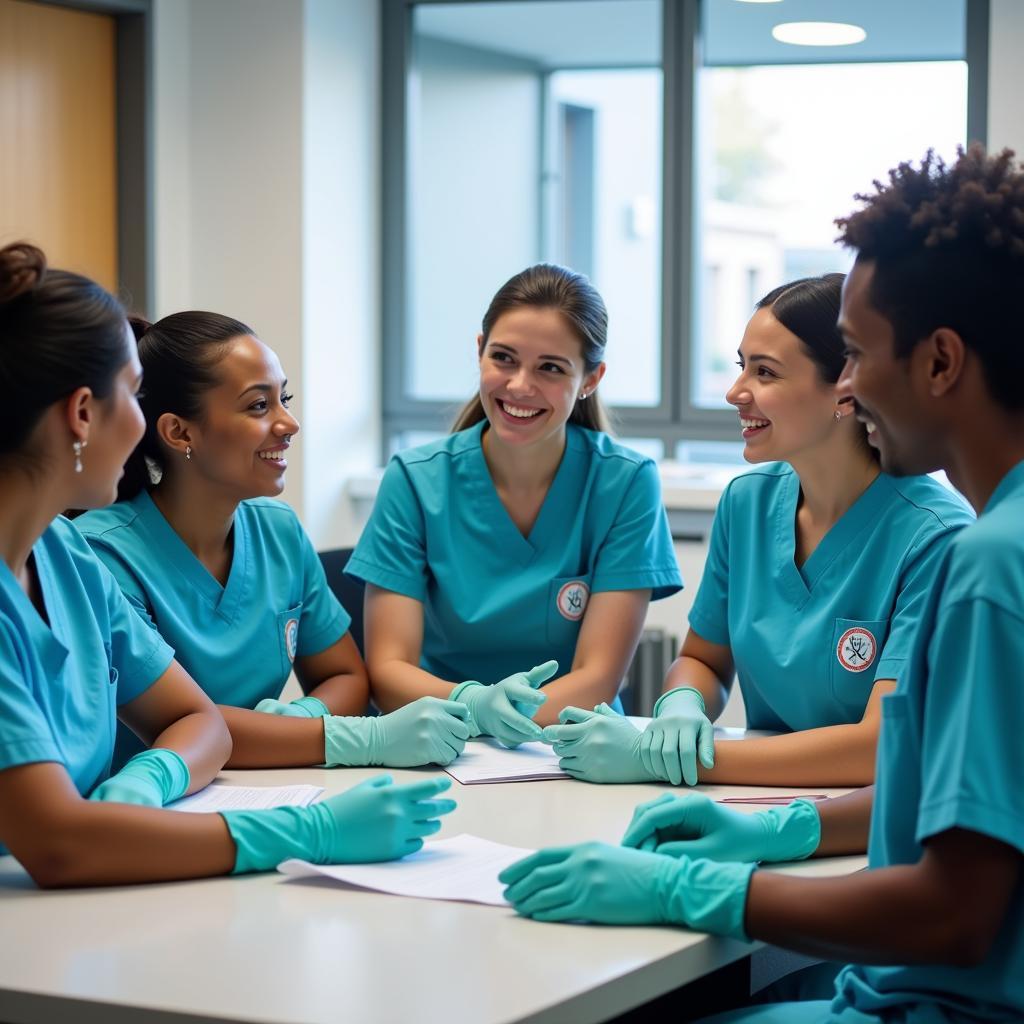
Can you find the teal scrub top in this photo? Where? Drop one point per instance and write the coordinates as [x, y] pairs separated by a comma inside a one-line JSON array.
[[62, 680], [237, 641], [496, 602], [808, 643], [950, 756]]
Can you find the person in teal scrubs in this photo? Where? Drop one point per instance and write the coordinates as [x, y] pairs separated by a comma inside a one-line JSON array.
[[227, 574], [75, 657], [932, 931], [526, 537], [817, 571]]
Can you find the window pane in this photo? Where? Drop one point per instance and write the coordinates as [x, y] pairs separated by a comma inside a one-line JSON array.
[[784, 144], [534, 133]]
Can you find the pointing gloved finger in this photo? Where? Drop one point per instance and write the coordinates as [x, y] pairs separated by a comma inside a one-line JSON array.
[[570, 715], [541, 673]]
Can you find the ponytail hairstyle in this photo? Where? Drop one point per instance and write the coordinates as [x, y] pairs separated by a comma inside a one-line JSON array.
[[179, 356], [549, 286], [58, 332], [809, 308]]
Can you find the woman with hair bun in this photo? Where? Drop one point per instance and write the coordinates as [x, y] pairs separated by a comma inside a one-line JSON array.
[[818, 568], [227, 574], [528, 536], [75, 657]]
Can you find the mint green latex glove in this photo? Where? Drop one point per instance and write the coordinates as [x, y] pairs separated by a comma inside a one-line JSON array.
[[151, 778], [598, 746], [614, 885], [375, 820], [506, 709], [427, 731], [678, 733], [301, 707], [695, 826]]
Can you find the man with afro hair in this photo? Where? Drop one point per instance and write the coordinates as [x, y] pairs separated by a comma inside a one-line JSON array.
[[933, 932]]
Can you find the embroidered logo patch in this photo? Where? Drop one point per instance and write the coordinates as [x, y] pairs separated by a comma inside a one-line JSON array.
[[572, 600], [856, 649], [291, 637]]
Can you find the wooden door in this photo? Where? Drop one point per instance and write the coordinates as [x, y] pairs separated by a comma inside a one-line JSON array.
[[58, 145]]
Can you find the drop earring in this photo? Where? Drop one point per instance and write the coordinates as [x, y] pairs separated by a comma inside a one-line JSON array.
[[838, 415], [188, 453], [76, 447]]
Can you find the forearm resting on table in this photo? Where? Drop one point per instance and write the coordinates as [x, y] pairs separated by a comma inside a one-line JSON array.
[[917, 913], [201, 742], [343, 694], [273, 741], [690, 671], [64, 840]]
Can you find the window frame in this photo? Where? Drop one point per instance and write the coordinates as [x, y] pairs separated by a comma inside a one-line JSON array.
[[675, 418]]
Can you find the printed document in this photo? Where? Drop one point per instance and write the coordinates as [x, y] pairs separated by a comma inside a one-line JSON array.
[[221, 797], [486, 760]]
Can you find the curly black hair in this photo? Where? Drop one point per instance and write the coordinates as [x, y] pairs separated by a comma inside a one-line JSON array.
[[947, 244]]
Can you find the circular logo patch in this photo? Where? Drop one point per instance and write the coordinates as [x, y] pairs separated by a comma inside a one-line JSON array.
[[291, 637], [572, 600], [856, 649]]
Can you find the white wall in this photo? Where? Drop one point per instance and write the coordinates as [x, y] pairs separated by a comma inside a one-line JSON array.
[[267, 159], [1006, 76]]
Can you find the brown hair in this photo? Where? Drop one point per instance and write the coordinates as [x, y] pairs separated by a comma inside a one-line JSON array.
[[549, 286]]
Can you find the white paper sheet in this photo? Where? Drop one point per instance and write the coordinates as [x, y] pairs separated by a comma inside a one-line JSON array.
[[221, 797], [486, 760], [462, 868]]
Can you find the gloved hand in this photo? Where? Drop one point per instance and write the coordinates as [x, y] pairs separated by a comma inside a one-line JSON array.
[[505, 709], [613, 885], [598, 746], [695, 826], [427, 731], [676, 735], [151, 778], [375, 820], [301, 707]]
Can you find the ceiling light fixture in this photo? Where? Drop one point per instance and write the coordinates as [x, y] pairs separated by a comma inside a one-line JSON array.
[[818, 33]]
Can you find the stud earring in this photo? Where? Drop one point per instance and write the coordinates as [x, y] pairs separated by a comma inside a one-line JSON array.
[[76, 447], [583, 395], [838, 415], [188, 453]]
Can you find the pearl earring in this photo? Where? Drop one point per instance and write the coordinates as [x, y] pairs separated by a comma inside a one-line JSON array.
[[583, 395], [76, 447], [839, 415], [188, 453]]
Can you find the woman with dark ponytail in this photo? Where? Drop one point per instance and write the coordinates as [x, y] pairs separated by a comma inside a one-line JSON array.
[[818, 568], [74, 656], [228, 575], [526, 537]]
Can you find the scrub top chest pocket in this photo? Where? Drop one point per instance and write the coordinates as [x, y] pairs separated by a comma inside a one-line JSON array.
[[853, 655], [568, 597], [287, 639]]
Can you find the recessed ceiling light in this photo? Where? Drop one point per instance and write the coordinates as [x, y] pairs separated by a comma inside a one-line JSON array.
[[819, 33]]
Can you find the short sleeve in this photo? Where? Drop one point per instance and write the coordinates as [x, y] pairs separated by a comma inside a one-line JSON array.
[[137, 651], [323, 621], [25, 735], [919, 578], [637, 553], [709, 615], [971, 751], [392, 551]]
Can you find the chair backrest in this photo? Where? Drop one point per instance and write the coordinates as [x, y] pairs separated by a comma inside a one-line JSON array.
[[347, 590]]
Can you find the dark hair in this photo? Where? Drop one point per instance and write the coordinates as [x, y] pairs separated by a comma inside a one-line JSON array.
[[947, 242], [809, 308], [549, 286], [58, 332], [179, 355]]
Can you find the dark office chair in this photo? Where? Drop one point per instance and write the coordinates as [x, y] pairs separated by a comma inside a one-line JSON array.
[[347, 590]]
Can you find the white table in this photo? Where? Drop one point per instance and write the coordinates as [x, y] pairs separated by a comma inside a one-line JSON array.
[[269, 949]]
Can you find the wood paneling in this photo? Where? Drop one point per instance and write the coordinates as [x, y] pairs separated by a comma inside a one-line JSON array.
[[58, 158]]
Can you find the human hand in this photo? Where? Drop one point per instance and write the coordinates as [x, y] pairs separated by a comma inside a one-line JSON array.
[[598, 746], [679, 732]]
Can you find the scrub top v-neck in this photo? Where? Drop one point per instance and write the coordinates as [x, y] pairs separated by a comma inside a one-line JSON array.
[[62, 680], [238, 641], [496, 601], [808, 642], [950, 757]]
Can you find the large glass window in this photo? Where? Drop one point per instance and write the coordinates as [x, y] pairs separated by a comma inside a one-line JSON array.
[[678, 154]]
